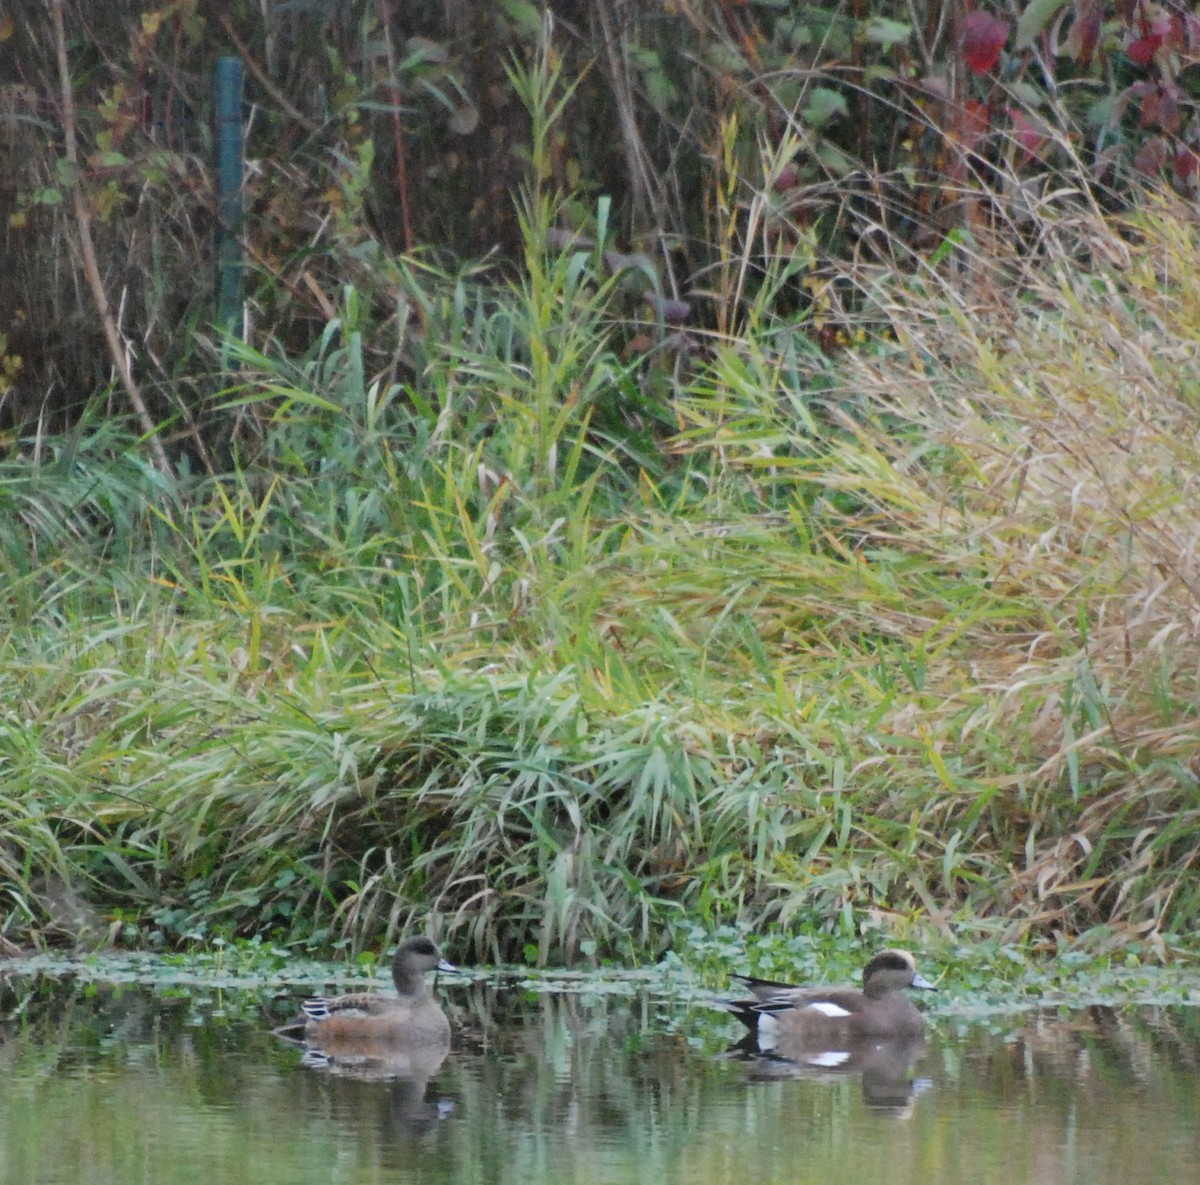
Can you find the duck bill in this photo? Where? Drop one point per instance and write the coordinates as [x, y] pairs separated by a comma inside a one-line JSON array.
[[919, 981], [444, 966]]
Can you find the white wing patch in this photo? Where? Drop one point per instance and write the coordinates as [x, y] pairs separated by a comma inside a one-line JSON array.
[[828, 1008], [829, 1058], [768, 1031]]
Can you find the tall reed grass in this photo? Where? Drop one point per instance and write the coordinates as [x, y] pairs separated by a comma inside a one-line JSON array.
[[550, 645]]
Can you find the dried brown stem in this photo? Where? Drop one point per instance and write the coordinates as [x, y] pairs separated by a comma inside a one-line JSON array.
[[402, 187], [87, 251]]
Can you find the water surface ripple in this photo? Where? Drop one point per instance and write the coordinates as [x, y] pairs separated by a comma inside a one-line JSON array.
[[117, 1083]]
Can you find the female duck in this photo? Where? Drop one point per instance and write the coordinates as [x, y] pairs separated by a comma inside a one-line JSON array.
[[412, 1017], [821, 1017]]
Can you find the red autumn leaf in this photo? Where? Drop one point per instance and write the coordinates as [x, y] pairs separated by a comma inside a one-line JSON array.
[[1141, 52], [1169, 117], [1187, 163], [1085, 35], [1029, 135], [789, 176], [973, 127], [1174, 40], [984, 36], [1150, 105], [1152, 156]]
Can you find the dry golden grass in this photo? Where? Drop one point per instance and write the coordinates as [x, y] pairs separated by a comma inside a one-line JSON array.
[[911, 639]]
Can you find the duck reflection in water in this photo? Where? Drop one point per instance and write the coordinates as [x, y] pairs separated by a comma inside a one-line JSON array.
[[884, 1067], [399, 1097], [875, 1031], [403, 1039]]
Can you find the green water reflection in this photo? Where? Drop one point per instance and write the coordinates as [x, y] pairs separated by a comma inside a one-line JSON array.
[[106, 1084]]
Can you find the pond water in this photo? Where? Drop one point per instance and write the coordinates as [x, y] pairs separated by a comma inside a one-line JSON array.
[[118, 1083]]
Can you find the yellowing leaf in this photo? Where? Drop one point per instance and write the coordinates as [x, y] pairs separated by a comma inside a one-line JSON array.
[[1034, 19]]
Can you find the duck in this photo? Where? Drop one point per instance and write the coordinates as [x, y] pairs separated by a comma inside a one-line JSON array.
[[883, 1066], [781, 1015], [412, 1018]]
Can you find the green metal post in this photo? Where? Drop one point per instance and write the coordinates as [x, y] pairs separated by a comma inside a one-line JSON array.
[[230, 206]]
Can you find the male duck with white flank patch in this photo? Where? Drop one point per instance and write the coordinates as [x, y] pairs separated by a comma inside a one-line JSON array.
[[780, 1015]]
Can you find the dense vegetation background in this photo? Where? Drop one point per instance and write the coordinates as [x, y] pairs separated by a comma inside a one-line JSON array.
[[681, 462]]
